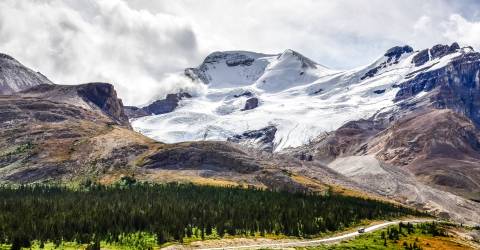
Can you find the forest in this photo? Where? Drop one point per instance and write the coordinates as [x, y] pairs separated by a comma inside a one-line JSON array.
[[171, 212]]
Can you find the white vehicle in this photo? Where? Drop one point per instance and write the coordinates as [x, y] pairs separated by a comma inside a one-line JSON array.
[[361, 230]]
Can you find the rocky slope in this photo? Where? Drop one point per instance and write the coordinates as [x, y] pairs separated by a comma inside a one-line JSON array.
[[44, 140], [431, 136], [15, 77], [91, 96], [70, 133]]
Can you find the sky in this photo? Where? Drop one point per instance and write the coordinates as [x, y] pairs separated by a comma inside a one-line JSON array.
[[141, 45]]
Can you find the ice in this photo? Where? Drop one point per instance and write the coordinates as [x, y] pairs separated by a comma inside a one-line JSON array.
[[301, 98]]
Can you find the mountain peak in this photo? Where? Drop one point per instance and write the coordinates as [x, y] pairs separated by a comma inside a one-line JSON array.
[[306, 62], [438, 51], [233, 58], [397, 51], [15, 77]]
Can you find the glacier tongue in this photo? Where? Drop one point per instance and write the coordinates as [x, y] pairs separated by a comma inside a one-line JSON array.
[[301, 98]]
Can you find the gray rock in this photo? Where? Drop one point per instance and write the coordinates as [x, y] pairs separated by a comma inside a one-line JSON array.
[[158, 107], [456, 85], [166, 105], [251, 104], [95, 96], [246, 93], [105, 97], [454, 47], [421, 58], [134, 112], [393, 55], [439, 50], [396, 52], [261, 138]]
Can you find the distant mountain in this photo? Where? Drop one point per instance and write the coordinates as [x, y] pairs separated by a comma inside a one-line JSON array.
[[405, 126], [15, 77], [302, 99]]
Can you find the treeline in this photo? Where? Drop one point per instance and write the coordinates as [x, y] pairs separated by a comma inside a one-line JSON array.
[[395, 233], [172, 212]]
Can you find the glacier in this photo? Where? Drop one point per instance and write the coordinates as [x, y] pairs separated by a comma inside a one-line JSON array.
[[300, 97]]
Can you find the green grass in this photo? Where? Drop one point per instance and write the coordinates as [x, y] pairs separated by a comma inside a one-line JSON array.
[[136, 241], [420, 236], [366, 241]]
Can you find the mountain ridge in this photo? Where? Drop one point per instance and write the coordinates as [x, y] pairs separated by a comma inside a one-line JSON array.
[[15, 77]]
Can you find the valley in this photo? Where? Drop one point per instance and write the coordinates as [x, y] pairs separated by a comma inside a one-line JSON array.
[[401, 132]]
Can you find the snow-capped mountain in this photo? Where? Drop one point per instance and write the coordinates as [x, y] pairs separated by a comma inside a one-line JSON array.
[[15, 77], [250, 91]]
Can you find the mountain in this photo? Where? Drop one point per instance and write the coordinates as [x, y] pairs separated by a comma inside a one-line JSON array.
[[404, 126], [302, 99], [15, 77], [402, 129], [72, 133], [46, 138]]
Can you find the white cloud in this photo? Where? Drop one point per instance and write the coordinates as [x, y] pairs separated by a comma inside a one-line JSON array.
[[464, 31], [106, 40], [137, 46]]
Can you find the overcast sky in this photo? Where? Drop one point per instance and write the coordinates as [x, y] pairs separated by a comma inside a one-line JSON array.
[[138, 44]]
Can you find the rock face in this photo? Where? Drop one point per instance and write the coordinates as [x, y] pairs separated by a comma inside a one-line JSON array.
[[455, 86], [262, 138], [392, 56], [421, 58], [15, 77], [158, 107], [246, 93], [93, 96], [440, 147], [228, 59], [166, 105], [104, 96], [251, 103], [435, 136], [436, 51], [134, 112]]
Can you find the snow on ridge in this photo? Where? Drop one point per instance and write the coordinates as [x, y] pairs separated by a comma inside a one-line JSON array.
[[301, 98]]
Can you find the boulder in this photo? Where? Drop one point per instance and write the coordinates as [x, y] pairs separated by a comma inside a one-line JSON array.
[[251, 104]]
